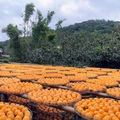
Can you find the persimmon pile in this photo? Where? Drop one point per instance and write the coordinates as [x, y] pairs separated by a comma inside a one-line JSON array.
[[17, 99], [19, 88], [6, 80], [115, 92], [106, 82], [53, 75], [54, 96], [5, 74], [50, 110], [83, 87], [28, 77], [53, 81], [44, 116], [77, 78], [12, 111], [99, 109]]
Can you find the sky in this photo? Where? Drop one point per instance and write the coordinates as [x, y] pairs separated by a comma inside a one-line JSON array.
[[74, 11]]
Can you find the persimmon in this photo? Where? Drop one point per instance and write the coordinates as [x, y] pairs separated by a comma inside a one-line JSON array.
[[118, 116], [20, 114], [24, 110], [18, 117], [112, 115], [10, 116], [97, 117], [14, 111], [27, 113], [9, 119], [89, 115], [2, 113], [3, 117], [26, 118], [107, 117], [9, 113]]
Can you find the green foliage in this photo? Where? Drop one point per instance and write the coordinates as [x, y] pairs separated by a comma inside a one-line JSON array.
[[29, 9], [1, 46], [59, 24], [101, 26], [27, 22], [41, 35], [4, 44], [13, 33], [90, 43], [91, 48], [4, 60], [46, 54], [51, 36], [49, 16], [41, 32]]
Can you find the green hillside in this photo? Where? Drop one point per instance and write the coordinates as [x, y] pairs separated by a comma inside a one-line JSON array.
[[102, 26], [90, 26], [91, 43]]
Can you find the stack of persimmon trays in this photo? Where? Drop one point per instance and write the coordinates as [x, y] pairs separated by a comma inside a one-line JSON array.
[[48, 89]]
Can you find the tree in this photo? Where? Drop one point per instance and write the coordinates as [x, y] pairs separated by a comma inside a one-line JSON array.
[[29, 10], [59, 24], [41, 31], [46, 54], [13, 33], [49, 16], [61, 34]]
